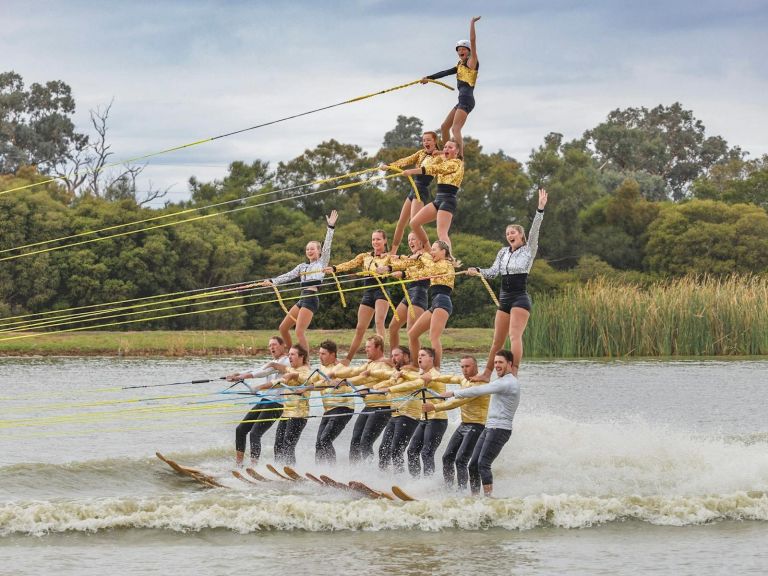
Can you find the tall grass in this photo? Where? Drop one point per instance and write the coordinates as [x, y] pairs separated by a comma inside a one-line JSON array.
[[684, 317]]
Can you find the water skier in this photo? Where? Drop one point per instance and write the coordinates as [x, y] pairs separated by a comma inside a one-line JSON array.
[[513, 262]]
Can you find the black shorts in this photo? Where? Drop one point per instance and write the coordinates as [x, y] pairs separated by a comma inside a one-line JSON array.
[[446, 198], [509, 300], [442, 301], [422, 182], [466, 99], [309, 300], [370, 296], [418, 295]]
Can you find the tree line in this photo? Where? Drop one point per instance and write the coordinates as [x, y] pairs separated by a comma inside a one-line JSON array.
[[644, 196]]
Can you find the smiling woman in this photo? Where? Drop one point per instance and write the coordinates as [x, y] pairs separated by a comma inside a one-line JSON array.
[[513, 262], [310, 274]]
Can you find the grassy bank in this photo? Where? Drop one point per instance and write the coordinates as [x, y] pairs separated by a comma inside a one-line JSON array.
[[685, 317], [199, 343], [598, 319]]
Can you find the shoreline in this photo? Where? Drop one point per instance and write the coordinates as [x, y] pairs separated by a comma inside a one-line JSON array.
[[245, 343]]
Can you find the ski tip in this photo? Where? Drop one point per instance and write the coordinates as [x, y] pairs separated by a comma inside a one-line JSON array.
[[402, 494], [255, 475], [315, 479], [292, 474]]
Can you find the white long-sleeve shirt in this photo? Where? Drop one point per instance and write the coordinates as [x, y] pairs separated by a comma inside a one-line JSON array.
[[505, 398], [265, 373], [310, 271], [518, 261]]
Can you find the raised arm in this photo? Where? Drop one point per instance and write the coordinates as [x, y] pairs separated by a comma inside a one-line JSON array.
[[533, 233], [325, 255], [472, 60]]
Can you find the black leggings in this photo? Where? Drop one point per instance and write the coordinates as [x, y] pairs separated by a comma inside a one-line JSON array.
[[488, 446], [396, 436], [459, 451], [331, 425], [424, 443], [368, 426], [287, 436], [264, 411]]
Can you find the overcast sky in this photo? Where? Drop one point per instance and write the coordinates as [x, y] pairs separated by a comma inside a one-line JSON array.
[[182, 71]]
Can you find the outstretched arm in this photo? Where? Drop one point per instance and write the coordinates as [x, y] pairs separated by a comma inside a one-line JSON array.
[[325, 255], [533, 234], [472, 61]]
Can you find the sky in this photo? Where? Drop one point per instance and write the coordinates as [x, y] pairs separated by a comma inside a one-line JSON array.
[[180, 71]]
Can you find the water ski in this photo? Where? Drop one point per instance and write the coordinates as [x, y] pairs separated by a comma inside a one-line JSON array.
[[315, 479], [292, 474], [331, 482], [239, 476], [368, 491], [276, 472], [201, 477], [400, 493], [256, 476]]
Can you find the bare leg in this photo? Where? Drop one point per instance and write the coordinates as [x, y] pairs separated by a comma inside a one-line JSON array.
[[419, 327], [288, 322], [239, 458], [302, 323], [405, 318], [458, 123], [436, 327], [518, 320], [395, 324], [487, 489], [416, 206], [445, 127], [364, 316], [444, 219], [500, 330], [424, 216], [382, 307], [405, 215]]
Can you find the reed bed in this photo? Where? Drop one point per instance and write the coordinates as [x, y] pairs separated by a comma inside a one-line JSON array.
[[683, 317]]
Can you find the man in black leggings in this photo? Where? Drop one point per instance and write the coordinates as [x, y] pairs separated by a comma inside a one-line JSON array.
[[429, 433], [338, 406], [264, 413], [474, 413], [505, 398], [373, 419]]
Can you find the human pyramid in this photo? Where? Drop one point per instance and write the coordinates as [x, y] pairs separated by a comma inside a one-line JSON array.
[[404, 395]]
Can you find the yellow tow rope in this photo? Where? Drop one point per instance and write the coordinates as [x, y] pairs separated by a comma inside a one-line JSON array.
[[220, 136]]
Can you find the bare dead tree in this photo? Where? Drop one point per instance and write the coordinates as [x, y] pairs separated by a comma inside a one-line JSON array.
[[88, 170]]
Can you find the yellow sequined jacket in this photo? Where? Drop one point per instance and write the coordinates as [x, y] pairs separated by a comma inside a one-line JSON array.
[[354, 377], [473, 410], [331, 396], [297, 405], [366, 261], [420, 158], [440, 273], [412, 408], [448, 170]]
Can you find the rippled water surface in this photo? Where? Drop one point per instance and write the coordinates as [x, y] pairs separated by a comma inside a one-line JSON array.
[[613, 467]]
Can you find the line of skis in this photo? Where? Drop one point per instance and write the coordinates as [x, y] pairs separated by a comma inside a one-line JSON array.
[[289, 475]]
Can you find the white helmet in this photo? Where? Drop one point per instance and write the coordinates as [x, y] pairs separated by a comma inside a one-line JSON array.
[[463, 44]]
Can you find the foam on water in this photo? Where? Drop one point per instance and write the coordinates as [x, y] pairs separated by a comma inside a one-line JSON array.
[[245, 514], [554, 472]]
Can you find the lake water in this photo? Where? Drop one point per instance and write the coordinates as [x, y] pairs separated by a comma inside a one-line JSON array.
[[613, 468]]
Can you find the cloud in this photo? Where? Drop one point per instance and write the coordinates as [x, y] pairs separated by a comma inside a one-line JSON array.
[[182, 71]]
